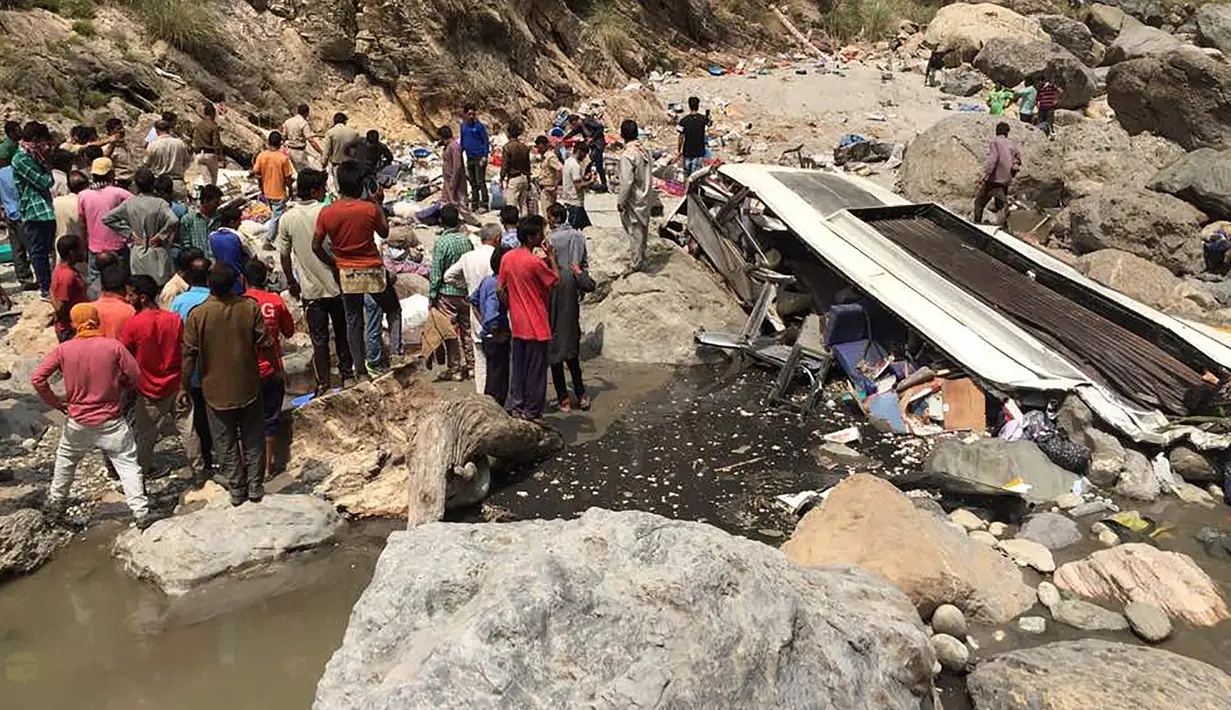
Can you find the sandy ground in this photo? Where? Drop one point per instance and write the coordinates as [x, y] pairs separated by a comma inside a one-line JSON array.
[[781, 110]]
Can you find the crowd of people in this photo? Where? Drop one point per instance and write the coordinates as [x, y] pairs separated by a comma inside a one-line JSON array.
[[164, 314]]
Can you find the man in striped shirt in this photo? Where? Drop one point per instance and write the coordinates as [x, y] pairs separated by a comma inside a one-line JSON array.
[[1049, 96], [450, 299]]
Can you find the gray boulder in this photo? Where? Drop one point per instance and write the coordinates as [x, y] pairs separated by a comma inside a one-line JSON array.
[[1193, 466], [1073, 418], [1073, 36], [1201, 178], [1086, 616], [1184, 96], [1137, 480], [1011, 61], [1154, 226], [1096, 674], [1106, 457], [1213, 21], [1106, 22], [1151, 12], [1149, 622], [20, 420], [943, 164], [951, 652], [995, 462], [27, 541], [185, 551], [962, 83], [620, 610], [1140, 41], [1051, 530]]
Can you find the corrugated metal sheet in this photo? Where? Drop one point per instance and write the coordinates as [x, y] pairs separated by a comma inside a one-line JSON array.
[[968, 330]]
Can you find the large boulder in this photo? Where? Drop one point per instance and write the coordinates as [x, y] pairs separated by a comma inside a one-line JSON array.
[[1184, 96], [961, 82], [866, 521], [27, 541], [1193, 466], [185, 551], [1138, 572], [943, 164], [1010, 61], [1147, 282], [1137, 479], [1201, 178], [1073, 36], [1079, 675], [994, 462], [1151, 12], [964, 29], [1106, 22], [1140, 41], [1051, 530], [1213, 22], [20, 420], [1158, 227], [328, 27], [619, 610], [651, 316]]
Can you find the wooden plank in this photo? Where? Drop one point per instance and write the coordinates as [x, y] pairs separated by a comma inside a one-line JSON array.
[[965, 405]]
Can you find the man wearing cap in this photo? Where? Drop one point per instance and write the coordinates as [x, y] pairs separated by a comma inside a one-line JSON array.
[[92, 204]]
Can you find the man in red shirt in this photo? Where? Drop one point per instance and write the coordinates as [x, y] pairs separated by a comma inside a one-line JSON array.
[[113, 307], [351, 225], [524, 283], [67, 286], [154, 337], [98, 374], [279, 323]]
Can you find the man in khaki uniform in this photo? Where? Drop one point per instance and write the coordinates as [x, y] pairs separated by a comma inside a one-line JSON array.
[[298, 135], [337, 148]]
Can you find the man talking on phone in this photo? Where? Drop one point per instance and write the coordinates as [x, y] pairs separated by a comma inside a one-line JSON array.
[[691, 145]]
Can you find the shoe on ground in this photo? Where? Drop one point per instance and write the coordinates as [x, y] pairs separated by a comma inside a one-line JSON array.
[[238, 501], [375, 370], [29, 286], [153, 474], [565, 405], [583, 403], [149, 519]]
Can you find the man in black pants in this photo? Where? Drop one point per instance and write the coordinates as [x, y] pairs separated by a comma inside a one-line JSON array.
[[224, 335], [311, 280]]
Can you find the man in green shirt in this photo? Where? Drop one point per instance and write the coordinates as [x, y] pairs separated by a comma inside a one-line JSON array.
[[998, 100], [1026, 98], [196, 224], [32, 174], [451, 300], [12, 137]]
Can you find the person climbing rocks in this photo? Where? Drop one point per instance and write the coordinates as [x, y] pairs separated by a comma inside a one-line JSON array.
[[1003, 161]]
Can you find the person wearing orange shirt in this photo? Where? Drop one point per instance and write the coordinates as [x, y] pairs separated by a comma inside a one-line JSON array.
[[113, 307], [274, 170]]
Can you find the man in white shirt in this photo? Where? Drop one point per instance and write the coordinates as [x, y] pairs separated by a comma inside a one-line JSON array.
[[469, 271], [311, 280], [169, 155], [574, 183]]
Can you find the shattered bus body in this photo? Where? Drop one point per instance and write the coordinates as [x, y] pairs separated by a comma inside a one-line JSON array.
[[916, 285]]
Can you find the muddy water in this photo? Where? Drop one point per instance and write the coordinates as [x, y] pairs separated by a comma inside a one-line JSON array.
[[692, 444], [82, 634]]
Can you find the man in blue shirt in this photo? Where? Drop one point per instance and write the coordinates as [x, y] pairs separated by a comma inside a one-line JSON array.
[[227, 245], [496, 335], [12, 224], [197, 277], [476, 144]]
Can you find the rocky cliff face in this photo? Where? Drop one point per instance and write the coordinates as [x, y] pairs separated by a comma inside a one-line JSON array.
[[402, 65]]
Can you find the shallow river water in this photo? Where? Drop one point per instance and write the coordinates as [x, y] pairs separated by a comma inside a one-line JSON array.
[[694, 444]]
